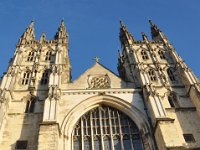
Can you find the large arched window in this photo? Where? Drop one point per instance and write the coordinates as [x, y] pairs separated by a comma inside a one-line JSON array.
[[106, 128]]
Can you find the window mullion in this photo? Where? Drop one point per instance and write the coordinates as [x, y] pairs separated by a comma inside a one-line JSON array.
[[130, 135], [120, 131], [111, 133], [101, 128], [91, 130], [82, 135]]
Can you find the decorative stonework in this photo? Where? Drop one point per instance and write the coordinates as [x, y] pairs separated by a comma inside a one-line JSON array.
[[98, 81]]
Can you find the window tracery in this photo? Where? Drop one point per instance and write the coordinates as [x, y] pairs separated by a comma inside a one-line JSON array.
[[144, 55], [161, 54], [173, 101], [106, 128], [48, 55], [45, 77], [26, 78], [31, 56], [152, 75], [171, 74], [30, 105]]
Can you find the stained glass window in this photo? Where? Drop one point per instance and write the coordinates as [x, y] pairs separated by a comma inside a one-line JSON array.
[[106, 128]]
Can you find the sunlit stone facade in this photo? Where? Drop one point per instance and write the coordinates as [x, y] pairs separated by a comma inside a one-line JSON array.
[[152, 104]]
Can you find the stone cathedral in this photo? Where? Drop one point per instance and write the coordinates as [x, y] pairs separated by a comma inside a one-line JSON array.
[[153, 104]]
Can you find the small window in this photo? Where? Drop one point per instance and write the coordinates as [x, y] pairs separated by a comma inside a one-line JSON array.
[[152, 75], [30, 105], [144, 55], [26, 77], [48, 55], [173, 101], [45, 77], [171, 75], [189, 138], [21, 145], [30, 56], [161, 54]]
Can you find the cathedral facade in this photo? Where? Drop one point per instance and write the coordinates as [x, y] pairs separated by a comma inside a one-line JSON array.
[[153, 104]]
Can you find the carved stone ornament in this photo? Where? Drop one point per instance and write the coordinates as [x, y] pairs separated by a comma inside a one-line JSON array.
[[98, 81]]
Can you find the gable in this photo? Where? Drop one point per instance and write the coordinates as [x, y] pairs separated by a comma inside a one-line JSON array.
[[97, 77]]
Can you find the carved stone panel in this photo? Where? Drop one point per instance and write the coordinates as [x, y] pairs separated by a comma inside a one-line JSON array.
[[98, 81]]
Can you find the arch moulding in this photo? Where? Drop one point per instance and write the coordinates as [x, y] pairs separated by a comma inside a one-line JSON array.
[[127, 108]]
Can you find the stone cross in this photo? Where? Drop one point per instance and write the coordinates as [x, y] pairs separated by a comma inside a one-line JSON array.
[[97, 59]]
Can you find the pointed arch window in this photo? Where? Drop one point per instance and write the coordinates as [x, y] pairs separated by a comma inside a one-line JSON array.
[[171, 74], [48, 55], [97, 143], [152, 75], [144, 55], [45, 77], [161, 54], [105, 128], [26, 77], [30, 105], [173, 101], [31, 56]]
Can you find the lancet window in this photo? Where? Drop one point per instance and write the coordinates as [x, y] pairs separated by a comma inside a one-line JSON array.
[[45, 77], [152, 75], [48, 55], [26, 77], [106, 128], [161, 54], [172, 98], [30, 105], [31, 56], [171, 75], [144, 55]]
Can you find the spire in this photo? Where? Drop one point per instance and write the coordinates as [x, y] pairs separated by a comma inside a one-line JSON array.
[[145, 38], [125, 36], [62, 35], [42, 37], [156, 33], [28, 35]]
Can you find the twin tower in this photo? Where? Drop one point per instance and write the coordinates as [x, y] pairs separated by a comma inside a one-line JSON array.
[[154, 103]]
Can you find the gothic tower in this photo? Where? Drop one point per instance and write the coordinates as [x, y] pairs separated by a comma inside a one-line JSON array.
[[170, 89], [35, 72]]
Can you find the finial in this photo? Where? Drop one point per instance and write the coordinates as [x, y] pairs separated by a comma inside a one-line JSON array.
[[62, 22], [144, 36], [121, 23], [151, 23], [97, 59], [43, 37], [32, 23]]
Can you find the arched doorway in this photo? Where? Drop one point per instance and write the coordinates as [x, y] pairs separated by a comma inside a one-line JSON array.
[[106, 128]]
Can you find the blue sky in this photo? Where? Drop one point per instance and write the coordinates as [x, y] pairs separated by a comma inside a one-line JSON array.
[[93, 27]]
